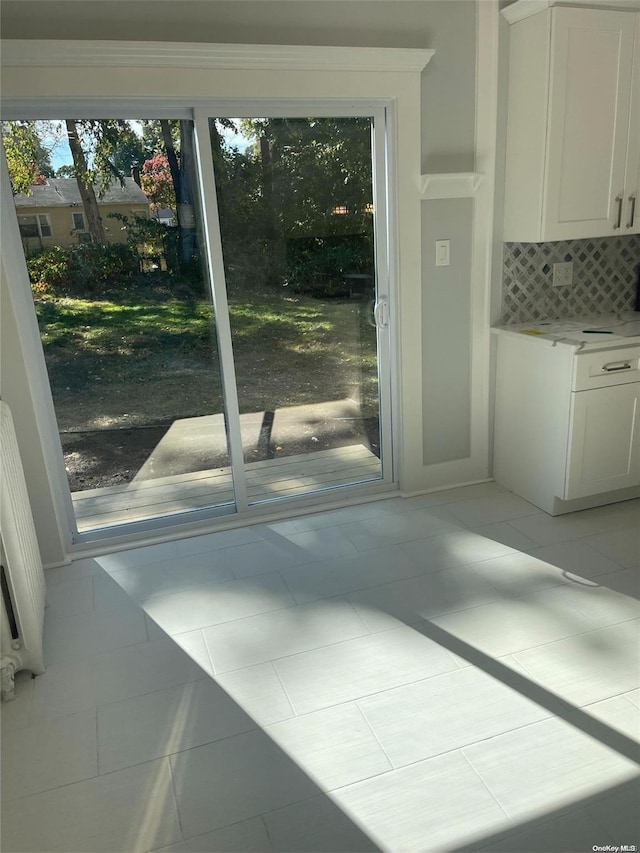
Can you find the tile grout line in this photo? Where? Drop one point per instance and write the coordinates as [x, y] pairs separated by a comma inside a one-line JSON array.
[[207, 650], [357, 589], [375, 735], [175, 798], [167, 756], [438, 674], [274, 661], [214, 583], [171, 634], [486, 786], [260, 817], [592, 630], [453, 749], [621, 695], [284, 690], [180, 686], [596, 627]]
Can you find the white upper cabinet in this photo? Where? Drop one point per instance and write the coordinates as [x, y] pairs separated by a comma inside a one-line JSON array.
[[573, 126], [631, 220]]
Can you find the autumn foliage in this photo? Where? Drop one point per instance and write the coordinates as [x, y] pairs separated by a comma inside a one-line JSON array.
[[155, 179]]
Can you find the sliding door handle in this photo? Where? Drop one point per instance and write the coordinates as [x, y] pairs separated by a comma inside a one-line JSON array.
[[381, 313]]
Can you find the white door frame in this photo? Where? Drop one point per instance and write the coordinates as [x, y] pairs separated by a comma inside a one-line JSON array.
[[381, 114]]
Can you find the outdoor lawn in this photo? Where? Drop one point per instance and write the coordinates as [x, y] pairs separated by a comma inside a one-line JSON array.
[[123, 368]]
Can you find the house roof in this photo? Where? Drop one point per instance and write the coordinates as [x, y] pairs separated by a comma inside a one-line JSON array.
[[63, 192]]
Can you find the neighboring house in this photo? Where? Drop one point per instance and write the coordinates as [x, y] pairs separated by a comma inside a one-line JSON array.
[[53, 214], [165, 216]]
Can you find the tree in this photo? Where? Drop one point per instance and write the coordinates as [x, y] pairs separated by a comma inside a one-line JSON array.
[[85, 184], [152, 135], [301, 197], [173, 160], [105, 140], [156, 181], [66, 171], [129, 152], [28, 161], [312, 166], [181, 163]]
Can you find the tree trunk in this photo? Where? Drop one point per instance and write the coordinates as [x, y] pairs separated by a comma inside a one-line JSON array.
[[277, 258], [171, 156], [186, 212], [85, 187], [180, 172], [218, 166]]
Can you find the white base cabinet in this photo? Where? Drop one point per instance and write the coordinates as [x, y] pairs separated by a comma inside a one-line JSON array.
[[604, 445], [567, 423]]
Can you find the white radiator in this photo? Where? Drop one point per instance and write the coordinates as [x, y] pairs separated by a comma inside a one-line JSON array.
[[23, 585]]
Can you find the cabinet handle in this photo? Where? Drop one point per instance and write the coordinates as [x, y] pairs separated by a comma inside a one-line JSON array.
[[612, 366], [618, 221], [632, 212]]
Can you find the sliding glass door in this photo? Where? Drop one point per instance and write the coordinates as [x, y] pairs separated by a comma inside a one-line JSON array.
[[212, 298], [296, 222], [109, 218]]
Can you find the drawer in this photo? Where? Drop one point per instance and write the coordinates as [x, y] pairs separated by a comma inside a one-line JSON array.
[[606, 367]]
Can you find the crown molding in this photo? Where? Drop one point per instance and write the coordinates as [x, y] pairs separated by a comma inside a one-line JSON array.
[[21, 53]]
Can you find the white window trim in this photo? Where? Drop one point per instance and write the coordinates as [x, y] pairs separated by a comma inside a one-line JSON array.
[[39, 217], [47, 220], [74, 229]]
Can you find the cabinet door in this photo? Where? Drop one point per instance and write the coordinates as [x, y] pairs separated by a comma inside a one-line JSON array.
[[587, 131], [631, 218], [604, 444]]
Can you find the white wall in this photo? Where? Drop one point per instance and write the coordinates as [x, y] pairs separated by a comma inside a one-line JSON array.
[[447, 26], [446, 323]]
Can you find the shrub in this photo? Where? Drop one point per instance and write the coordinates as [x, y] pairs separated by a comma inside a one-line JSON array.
[[89, 269], [149, 239], [318, 265]]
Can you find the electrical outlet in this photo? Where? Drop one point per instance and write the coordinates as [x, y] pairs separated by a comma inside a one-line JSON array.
[[563, 274]]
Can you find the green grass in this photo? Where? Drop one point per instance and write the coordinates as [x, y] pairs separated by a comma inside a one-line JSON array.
[[116, 363]]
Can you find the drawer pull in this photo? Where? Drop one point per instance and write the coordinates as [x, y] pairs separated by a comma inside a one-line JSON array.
[[616, 365], [632, 214], [618, 222]]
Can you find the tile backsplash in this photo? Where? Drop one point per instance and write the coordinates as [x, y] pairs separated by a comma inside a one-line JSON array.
[[605, 272]]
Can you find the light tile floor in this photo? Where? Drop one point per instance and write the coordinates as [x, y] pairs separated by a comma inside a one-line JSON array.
[[453, 672]]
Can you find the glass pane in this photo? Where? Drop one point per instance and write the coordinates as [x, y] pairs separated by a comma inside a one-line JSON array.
[[45, 228], [296, 216], [28, 226], [125, 316]]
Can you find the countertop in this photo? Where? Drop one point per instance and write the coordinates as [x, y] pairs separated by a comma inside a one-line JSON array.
[[581, 333]]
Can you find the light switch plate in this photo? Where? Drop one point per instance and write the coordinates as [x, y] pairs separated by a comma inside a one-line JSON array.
[[442, 253]]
